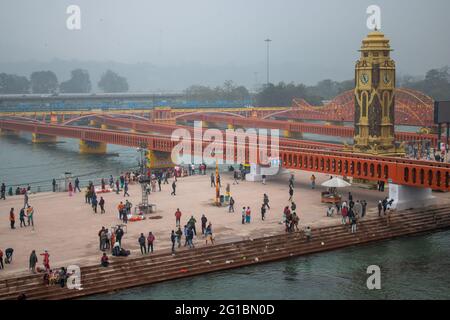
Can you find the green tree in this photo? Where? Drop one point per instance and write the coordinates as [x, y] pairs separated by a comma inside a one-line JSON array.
[[229, 91], [200, 93], [112, 82], [78, 83], [13, 84], [436, 83], [44, 82]]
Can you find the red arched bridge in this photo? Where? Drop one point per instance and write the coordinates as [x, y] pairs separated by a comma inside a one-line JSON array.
[[424, 174], [412, 108]]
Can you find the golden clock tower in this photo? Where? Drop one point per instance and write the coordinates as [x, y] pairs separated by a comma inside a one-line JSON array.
[[375, 98]]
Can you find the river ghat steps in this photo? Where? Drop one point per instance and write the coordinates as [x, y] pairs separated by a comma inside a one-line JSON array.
[[131, 272]]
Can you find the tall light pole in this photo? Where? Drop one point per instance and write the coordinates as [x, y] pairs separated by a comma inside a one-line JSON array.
[[268, 42]]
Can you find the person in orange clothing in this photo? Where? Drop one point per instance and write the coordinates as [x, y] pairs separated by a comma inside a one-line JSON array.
[[12, 218], [46, 260], [121, 208]]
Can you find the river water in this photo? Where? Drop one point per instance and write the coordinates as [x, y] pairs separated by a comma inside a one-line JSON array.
[[411, 268]]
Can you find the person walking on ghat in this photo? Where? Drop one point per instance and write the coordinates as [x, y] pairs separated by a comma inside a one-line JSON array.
[[174, 188], [125, 190], [101, 203], [291, 193], [94, 203], [235, 177], [25, 199], [263, 212], [209, 234], [313, 182], [101, 238], [22, 218], [77, 185], [380, 208], [150, 240], [295, 221], [173, 238], [3, 192], [177, 217], [70, 189], [243, 215], [119, 235], [46, 260], [30, 215], [141, 241], [12, 218], [117, 186], [191, 225], [231, 205], [33, 261], [54, 185], [213, 180], [266, 201], [179, 234], [291, 181], [248, 213], [204, 220]]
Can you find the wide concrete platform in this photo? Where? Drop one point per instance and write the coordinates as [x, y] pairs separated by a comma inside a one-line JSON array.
[[67, 227]]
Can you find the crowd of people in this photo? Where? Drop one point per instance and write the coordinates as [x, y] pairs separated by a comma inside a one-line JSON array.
[[184, 234]]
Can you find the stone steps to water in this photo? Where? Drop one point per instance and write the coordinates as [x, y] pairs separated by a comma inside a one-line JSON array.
[[131, 272]]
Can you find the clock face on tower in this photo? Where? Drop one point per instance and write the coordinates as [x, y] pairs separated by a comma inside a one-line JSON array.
[[364, 78]]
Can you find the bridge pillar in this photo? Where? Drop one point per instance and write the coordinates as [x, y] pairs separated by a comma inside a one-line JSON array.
[[93, 123], [53, 118], [257, 171], [92, 147], [159, 159], [172, 121], [43, 138], [406, 197], [334, 123], [107, 127], [286, 134], [8, 132]]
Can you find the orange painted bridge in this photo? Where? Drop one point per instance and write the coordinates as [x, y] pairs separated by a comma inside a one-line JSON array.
[[424, 174], [299, 127]]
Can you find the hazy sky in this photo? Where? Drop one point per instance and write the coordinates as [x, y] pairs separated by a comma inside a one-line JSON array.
[[311, 39]]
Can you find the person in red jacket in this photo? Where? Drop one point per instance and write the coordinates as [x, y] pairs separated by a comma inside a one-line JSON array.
[[150, 240], [104, 261], [70, 188], [177, 217], [46, 260]]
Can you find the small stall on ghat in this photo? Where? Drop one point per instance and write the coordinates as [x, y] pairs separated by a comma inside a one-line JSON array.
[[331, 195]]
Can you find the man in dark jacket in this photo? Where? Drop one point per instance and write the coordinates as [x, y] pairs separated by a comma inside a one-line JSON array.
[[141, 241]]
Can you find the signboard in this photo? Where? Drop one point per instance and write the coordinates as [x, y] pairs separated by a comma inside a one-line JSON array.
[[442, 112]]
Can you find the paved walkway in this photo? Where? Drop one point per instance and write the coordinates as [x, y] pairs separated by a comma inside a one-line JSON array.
[[68, 228]]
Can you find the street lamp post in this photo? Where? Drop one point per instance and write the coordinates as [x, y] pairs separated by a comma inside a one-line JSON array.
[[143, 179], [268, 42]]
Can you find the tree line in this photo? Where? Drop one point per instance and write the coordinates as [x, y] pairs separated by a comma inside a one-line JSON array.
[[436, 83], [46, 82]]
